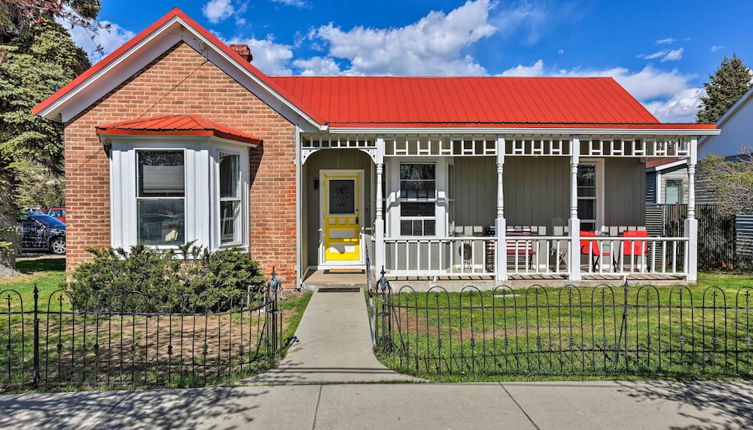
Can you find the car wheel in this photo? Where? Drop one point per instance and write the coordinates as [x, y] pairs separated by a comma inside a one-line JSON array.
[[57, 246]]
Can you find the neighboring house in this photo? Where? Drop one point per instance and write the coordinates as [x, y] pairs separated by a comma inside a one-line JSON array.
[[737, 138], [667, 181], [176, 136]]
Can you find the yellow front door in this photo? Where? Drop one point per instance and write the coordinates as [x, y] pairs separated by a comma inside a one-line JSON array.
[[341, 216]]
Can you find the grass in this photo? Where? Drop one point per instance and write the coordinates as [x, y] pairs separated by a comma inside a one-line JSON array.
[[565, 333], [48, 274], [107, 351]]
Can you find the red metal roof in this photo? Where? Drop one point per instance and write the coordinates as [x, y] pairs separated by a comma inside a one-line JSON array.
[[469, 101], [176, 125]]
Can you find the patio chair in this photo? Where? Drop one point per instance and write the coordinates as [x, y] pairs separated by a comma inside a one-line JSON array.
[[591, 248], [635, 249]]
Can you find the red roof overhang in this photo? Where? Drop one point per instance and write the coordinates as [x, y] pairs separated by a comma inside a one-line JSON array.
[[176, 125]]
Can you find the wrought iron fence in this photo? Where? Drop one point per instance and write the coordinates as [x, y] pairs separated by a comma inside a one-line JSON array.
[[638, 330], [57, 341]]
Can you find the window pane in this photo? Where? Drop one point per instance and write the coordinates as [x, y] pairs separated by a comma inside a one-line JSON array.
[[406, 228], [586, 175], [416, 209], [410, 189], [342, 196], [673, 192], [229, 215], [586, 209], [160, 174], [588, 226], [586, 191], [229, 174], [429, 227], [417, 171], [161, 221]]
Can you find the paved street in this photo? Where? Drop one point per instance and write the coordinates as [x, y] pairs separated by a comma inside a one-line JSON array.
[[596, 405]]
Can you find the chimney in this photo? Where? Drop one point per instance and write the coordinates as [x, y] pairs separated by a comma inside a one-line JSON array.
[[243, 50]]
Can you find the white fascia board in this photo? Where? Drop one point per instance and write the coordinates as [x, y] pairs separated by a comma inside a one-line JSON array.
[[141, 138], [667, 166], [146, 51], [528, 131]]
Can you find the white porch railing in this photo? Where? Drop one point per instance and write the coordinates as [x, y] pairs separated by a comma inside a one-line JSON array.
[[537, 255], [446, 256], [630, 255]]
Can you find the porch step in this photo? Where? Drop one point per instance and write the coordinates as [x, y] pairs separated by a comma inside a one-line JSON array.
[[345, 271]]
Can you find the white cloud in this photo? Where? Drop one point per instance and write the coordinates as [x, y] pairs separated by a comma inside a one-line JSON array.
[[536, 69], [270, 57], [682, 107], [533, 19], [102, 34], [217, 11], [294, 3], [673, 55], [666, 41], [657, 54], [560, 51], [715, 48], [317, 66], [667, 94], [434, 45]]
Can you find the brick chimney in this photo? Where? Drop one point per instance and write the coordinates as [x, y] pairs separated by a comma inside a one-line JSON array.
[[243, 50]]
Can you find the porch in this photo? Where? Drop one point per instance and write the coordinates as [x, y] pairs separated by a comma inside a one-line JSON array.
[[497, 208]]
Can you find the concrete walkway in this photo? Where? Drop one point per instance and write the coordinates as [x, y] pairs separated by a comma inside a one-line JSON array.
[[548, 405], [334, 345]]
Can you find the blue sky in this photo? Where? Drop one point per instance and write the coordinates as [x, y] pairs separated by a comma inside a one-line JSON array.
[[661, 51]]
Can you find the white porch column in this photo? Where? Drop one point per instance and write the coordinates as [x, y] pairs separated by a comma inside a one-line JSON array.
[[501, 224], [691, 223], [573, 221], [379, 251]]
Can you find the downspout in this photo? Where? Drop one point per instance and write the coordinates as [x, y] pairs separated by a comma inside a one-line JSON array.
[[298, 206]]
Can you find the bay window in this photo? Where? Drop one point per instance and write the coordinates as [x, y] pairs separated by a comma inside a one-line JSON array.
[[169, 191]]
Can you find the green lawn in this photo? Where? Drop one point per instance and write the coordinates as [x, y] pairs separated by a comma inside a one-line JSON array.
[[698, 331], [88, 351], [48, 274]]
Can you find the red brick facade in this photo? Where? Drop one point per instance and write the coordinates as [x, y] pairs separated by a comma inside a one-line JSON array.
[[182, 82]]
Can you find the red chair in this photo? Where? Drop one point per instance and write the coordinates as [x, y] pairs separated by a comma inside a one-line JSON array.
[[591, 247], [634, 249]]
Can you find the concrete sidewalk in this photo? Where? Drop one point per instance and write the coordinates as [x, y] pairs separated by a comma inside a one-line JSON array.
[[334, 345], [555, 405]]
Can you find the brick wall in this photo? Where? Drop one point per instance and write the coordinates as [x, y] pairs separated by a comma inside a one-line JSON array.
[[182, 82]]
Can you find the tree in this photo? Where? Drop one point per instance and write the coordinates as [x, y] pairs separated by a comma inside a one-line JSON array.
[[18, 16], [730, 81], [39, 59], [729, 182]]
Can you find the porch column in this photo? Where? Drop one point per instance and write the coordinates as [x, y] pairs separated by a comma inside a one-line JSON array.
[[379, 257], [501, 224], [573, 222], [691, 223]]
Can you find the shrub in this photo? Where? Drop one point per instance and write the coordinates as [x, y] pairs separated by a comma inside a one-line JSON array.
[[145, 279]]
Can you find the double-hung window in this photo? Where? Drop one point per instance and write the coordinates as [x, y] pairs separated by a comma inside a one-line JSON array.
[[587, 196], [674, 191], [418, 198], [160, 197], [230, 199]]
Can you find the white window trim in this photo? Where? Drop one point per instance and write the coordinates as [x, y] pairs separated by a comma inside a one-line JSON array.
[[201, 176], [599, 165], [243, 166], [393, 195]]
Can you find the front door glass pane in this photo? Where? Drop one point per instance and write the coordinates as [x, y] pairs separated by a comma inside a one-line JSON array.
[[342, 196]]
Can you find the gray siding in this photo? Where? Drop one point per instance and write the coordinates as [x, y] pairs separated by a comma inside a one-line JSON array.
[[624, 182], [537, 192], [331, 159]]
